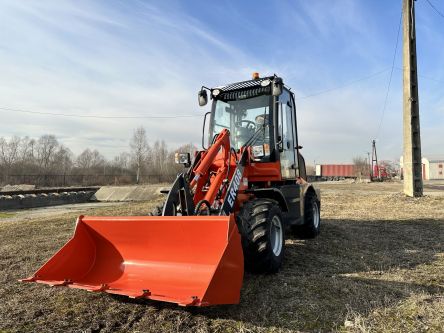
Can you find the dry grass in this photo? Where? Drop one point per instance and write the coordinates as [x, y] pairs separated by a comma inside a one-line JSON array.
[[4, 215], [378, 266]]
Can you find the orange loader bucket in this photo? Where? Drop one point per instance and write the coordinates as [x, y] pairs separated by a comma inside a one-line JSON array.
[[188, 260]]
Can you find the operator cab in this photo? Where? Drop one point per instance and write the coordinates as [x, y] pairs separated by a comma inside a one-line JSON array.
[[262, 104], [243, 118]]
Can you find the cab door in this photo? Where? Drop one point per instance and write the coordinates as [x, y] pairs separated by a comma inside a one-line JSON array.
[[286, 137]]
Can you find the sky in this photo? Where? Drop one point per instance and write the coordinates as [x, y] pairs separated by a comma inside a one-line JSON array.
[[80, 65]]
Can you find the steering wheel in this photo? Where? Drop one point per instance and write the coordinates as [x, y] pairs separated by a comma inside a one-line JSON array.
[[251, 125]]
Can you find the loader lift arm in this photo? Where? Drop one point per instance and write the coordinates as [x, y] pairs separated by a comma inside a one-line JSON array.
[[185, 193], [189, 197]]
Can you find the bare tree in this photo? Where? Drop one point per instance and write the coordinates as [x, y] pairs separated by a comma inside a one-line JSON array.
[[362, 168], [83, 161], [26, 150], [64, 160], [390, 167], [9, 152], [46, 156], [97, 160], [90, 161], [121, 162], [310, 170], [139, 150], [46, 149], [160, 157]]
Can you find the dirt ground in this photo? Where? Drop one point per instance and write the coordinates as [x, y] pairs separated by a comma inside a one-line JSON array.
[[378, 266]]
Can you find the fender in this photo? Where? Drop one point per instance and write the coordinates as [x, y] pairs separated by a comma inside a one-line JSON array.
[[305, 188], [272, 193]]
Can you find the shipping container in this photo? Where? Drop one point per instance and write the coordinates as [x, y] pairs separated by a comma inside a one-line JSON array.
[[336, 170]]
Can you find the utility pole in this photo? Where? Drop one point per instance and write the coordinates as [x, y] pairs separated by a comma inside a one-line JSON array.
[[412, 140], [375, 165], [369, 166]]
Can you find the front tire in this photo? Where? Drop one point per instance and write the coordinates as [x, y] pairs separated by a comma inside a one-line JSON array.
[[263, 235]]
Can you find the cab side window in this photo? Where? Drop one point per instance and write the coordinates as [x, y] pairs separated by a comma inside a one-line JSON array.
[[286, 136]]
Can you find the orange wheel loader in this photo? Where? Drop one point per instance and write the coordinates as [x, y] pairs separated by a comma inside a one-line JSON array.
[[228, 211]]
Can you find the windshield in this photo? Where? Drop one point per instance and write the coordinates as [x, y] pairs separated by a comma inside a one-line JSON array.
[[242, 118]]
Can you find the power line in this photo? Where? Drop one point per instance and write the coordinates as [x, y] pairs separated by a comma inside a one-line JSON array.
[[436, 9], [390, 78], [96, 116], [343, 85], [430, 78], [176, 116], [423, 76]]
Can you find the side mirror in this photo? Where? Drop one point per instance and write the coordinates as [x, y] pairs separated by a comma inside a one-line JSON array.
[[277, 86], [202, 97]]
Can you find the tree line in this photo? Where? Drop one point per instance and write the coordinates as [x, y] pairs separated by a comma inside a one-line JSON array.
[[46, 161]]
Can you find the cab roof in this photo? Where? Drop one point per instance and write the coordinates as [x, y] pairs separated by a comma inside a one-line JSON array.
[[244, 84]]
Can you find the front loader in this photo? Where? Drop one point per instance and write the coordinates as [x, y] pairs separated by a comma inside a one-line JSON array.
[[230, 209]]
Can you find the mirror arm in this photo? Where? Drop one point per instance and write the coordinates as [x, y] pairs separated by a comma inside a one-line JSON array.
[[279, 143], [277, 86], [203, 130]]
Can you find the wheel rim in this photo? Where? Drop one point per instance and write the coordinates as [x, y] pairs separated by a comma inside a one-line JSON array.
[[316, 217], [276, 235]]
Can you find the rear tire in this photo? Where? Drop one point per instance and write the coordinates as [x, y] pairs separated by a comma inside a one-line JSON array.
[[263, 235], [312, 219]]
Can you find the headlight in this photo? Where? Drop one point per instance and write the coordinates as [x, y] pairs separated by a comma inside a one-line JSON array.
[[215, 92], [183, 158], [265, 83]]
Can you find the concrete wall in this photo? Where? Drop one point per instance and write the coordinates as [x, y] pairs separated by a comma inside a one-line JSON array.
[[105, 193], [19, 201], [436, 169], [128, 193], [425, 167]]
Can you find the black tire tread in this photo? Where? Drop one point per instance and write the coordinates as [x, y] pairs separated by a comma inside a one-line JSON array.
[[307, 230], [252, 222]]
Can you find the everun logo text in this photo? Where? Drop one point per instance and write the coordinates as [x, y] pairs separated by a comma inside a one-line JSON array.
[[234, 187]]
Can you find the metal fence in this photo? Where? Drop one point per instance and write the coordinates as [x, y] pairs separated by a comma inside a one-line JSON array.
[[82, 180]]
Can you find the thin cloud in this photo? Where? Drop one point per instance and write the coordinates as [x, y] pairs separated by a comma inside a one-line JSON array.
[[140, 57]]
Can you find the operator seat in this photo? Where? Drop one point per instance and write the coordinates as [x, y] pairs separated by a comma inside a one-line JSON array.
[[263, 140]]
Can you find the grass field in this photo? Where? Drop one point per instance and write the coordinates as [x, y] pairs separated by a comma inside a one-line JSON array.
[[378, 266], [4, 215]]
